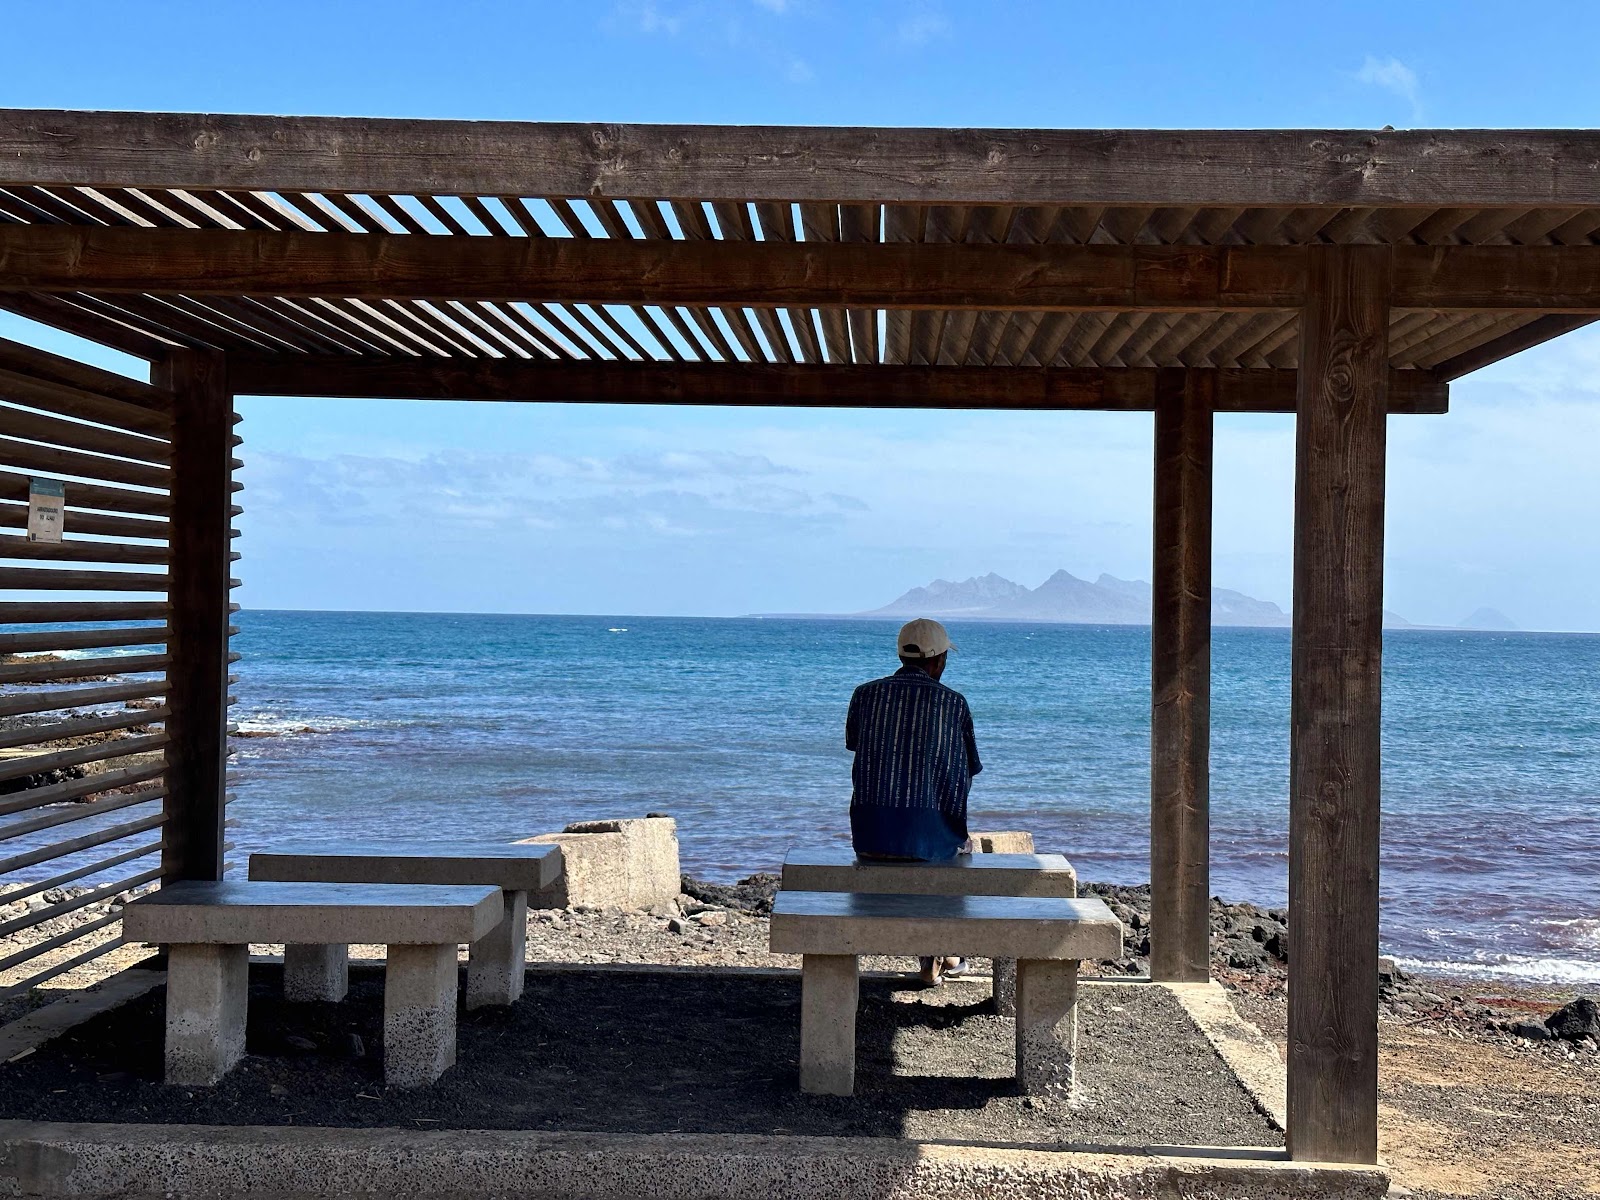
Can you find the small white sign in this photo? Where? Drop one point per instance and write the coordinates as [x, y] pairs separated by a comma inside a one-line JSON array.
[[47, 498]]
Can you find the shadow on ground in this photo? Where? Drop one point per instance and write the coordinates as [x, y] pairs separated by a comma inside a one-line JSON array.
[[643, 1052]]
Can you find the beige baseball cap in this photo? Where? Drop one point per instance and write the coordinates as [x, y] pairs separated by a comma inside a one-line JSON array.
[[922, 638]]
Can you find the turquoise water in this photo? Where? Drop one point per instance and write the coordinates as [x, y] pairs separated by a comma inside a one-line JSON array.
[[503, 726]]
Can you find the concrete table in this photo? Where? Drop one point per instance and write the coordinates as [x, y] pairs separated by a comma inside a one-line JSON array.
[[830, 869], [1048, 936], [496, 963], [208, 928]]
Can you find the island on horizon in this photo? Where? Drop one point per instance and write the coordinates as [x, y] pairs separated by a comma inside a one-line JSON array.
[[1068, 600]]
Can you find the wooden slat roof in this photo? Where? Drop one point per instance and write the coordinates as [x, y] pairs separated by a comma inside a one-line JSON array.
[[474, 180]]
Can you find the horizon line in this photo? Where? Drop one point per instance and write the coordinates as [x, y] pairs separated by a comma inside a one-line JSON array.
[[865, 616]]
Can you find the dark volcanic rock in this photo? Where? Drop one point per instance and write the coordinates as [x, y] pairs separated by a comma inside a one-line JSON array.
[[1244, 937], [1580, 1019], [752, 894], [39, 779]]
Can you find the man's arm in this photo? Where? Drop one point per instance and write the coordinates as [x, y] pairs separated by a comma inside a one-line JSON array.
[[852, 721], [974, 764]]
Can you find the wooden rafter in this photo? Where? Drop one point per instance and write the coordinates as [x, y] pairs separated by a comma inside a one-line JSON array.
[[1157, 169], [801, 385], [1534, 333], [63, 258], [996, 277]]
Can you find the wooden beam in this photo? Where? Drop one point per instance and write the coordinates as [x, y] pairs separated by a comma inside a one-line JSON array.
[[113, 260], [1550, 279], [1180, 693], [1535, 333], [68, 372], [1287, 168], [1334, 755], [198, 678], [904, 275], [56, 312], [784, 385]]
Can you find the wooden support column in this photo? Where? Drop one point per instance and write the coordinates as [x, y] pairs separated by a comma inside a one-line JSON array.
[[202, 497], [1180, 694], [1334, 735]]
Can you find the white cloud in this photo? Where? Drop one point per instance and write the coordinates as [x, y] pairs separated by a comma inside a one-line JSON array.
[[677, 491], [1392, 75]]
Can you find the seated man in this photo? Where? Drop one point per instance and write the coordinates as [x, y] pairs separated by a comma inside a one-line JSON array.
[[915, 759]]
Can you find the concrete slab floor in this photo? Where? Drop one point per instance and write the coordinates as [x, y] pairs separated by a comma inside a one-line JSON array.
[[275, 1163]]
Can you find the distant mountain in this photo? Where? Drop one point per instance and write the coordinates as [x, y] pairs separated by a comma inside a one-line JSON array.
[[1065, 598], [971, 597], [1490, 618]]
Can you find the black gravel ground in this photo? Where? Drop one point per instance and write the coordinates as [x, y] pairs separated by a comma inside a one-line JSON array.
[[651, 1052]]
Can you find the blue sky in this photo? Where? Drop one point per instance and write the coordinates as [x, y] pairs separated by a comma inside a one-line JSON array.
[[391, 505]]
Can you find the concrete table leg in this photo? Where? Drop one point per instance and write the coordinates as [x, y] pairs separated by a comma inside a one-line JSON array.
[[419, 1014], [1047, 1025], [497, 961], [1005, 986], [316, 972], [207, 993], [829, 989]]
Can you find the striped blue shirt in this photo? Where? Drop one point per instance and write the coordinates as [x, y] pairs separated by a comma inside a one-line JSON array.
[[915, 759]]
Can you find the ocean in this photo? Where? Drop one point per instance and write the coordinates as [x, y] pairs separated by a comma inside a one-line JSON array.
[[504, 726]]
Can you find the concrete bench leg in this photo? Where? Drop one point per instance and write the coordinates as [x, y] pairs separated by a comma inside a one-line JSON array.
[[497, 961], [207, 994], [829, 989], [316, 972], [1047, 1026], [1005, 986], [419, 1014]]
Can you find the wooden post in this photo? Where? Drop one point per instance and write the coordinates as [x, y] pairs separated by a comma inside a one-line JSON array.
[[1334, 735], [1180, 693], [197, 680]]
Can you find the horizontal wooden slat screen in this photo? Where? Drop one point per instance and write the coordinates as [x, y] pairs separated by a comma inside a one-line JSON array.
[[84, 655]]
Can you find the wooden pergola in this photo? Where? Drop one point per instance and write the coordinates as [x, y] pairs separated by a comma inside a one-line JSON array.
[[1341, 276]]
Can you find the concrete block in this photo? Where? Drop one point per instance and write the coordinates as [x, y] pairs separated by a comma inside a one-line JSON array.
[[974, 926], [498, 960], [207, 994], [1005, 986], [836, 869], [829, 992], [419, 1014], [631, 863], [514, 867], [316, 971], [198, 912], [1008, 842], [1047, 1026], [95, 1161]]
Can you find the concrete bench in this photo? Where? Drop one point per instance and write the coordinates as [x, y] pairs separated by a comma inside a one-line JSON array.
[[496, 963], [1048, 936], [830, 869], [208, 928]]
